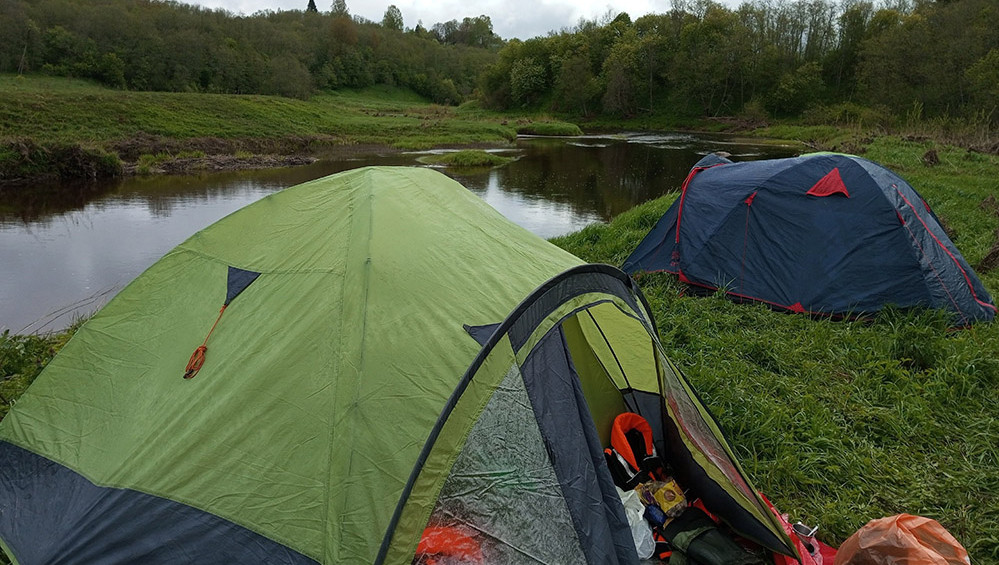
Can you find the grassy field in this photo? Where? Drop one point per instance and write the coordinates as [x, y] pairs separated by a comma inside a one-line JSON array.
[[48, 123], [842, 422], [63, 110]]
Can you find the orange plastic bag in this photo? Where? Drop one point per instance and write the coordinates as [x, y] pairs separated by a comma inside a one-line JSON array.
[[902, 540]]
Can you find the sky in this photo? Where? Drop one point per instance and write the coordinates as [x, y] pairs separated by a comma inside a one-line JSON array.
[[521, 19]]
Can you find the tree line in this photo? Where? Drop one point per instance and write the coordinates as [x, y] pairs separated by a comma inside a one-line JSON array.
[[170, 46], [768, 56], [922, 58]]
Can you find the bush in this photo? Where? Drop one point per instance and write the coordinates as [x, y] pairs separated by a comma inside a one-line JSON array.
[[21, 159], [848, 114], [22, 357], [549, 128], [796, 91], [471, 158]]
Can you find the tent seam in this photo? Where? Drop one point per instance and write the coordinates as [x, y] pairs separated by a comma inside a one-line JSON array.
[[967, 280]]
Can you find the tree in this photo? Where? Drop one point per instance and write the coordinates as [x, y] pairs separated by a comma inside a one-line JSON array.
[[575, 86], [527, 81], [312, 6], [446, 32], [339, 9], [392, 18], [796, 90], [477, 32]]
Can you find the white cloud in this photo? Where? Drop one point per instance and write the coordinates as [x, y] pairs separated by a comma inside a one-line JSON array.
[[511, 18]]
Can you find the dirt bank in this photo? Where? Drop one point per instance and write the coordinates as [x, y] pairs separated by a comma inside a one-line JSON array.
[[25, 161]]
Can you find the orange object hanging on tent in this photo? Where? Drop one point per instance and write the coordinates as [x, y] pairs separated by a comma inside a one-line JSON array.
[[452, 543], [198, 357], [236, 282], [903, 539]]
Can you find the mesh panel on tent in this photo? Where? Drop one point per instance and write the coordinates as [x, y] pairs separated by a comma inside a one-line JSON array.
[[504, 475]]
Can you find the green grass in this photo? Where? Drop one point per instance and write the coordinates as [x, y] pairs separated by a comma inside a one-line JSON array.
[[469, 158], [49, 109], [552, 128], [842, 422], [46, 111], [22, 358]]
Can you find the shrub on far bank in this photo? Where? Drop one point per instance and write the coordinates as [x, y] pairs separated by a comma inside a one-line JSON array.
[[549, 128], [27, 159], [469, 158]]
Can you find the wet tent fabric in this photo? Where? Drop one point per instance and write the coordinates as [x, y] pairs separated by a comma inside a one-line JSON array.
[[342, 406], [822, 233]]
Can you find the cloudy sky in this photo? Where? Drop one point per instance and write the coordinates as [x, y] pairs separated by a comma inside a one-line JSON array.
[[511, 18]]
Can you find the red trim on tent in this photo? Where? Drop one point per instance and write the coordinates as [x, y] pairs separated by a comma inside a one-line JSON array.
[[967, 279], [683, 195], [936, 274], [927, 206], [828, 185], [749, 201], [684, 279]]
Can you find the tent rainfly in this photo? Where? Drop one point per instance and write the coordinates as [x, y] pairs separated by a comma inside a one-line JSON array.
[[394, 357], [823, 233]]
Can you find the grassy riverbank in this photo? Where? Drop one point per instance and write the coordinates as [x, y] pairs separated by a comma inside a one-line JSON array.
[[75, 128], [838, 422], [843, 422]]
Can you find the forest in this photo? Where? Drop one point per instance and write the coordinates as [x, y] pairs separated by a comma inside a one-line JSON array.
[[846, 61]]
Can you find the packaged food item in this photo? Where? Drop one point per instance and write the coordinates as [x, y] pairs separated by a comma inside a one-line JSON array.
[[667, 495]]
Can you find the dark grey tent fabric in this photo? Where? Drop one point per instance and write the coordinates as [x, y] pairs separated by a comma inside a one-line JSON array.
[[135, 527], [237, 281], [576, 453], [481, 334], [649, 406]]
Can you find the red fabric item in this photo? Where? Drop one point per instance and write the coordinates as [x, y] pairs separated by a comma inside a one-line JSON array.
[[448, 542], [830, 184], [622, 424], [797, 307], [812, 551], [749, 201], [903, 539]]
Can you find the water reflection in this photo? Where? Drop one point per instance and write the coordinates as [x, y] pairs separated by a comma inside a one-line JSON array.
[[65, 249]]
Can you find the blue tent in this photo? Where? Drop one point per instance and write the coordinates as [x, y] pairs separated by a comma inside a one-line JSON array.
[[823, 233]]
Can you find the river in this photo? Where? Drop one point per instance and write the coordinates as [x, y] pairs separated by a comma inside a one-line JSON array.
[[67, 249]]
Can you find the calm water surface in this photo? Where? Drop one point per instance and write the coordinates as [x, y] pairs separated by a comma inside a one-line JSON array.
[[66, 250]]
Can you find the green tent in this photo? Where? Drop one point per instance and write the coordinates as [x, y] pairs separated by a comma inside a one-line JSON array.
[[392, 354]]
